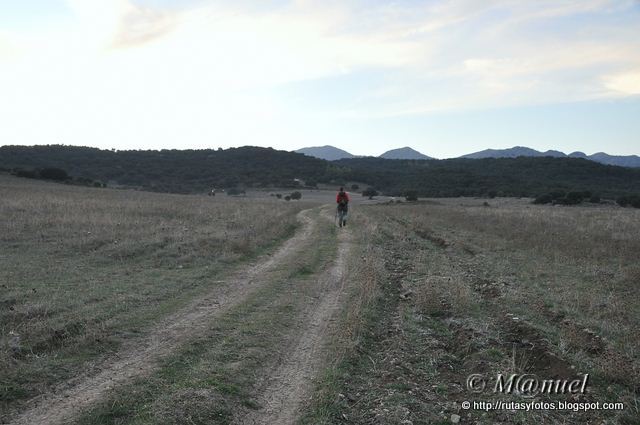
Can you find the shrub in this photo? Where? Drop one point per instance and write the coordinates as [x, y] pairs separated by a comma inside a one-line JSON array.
[[547, 198], [279, 195], [53, 174], [594, 199], [355, 187], [574, 198], [629, 200], [287, 198], [370, 192], [30, 174], [623, 201], [235, 191], [411, 195], [296, 195]]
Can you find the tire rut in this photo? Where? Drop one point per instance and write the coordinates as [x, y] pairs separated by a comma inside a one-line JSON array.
[[290, 385], [140, 357]]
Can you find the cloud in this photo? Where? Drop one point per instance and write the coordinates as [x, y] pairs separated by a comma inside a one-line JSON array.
[[625, 83], [217, 72], [138, 25], [506, 53]]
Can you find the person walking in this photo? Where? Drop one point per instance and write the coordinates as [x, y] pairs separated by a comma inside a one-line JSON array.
[[342, 199]]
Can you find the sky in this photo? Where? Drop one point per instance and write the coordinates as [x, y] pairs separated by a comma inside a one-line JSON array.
[[444, 77]]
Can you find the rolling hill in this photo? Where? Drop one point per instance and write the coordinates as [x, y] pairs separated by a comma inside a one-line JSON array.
[[179, 171], [329, 153], [404, 153]]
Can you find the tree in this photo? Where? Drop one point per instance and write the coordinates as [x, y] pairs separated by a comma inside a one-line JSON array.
[[370, 192], [547, 198], [234, 191], [53, 174], [411, 195], [629, 200]]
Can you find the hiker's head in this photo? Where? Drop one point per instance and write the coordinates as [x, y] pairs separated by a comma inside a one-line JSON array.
[[342, 189]]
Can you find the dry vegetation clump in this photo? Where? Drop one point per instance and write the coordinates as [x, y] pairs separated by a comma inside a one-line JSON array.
[[366, 272], [82, 269], [191, 406]]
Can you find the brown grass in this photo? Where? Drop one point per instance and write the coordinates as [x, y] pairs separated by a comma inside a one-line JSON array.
[[511, 287], [82, 269], [569, 271]]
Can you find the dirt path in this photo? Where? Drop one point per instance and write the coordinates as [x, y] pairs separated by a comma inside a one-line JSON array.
[[139, 357], [291, 383]]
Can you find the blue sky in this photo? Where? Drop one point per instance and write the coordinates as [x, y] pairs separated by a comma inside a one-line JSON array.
[[445, 77]]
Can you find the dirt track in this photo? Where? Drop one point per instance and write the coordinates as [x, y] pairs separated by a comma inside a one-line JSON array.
[[291, 383], [140, 357]]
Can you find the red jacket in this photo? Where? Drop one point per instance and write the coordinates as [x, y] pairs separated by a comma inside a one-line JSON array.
[[342, 195]]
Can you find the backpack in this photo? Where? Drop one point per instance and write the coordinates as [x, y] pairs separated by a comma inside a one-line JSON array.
[[342, 198]]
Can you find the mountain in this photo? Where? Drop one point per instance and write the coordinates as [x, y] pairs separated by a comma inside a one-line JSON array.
[[516, 151], [623, 161], [329, 153], [404, 153], [513, 152], [578, 154]]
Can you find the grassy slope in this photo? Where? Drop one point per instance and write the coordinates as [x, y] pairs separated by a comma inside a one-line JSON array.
[[82, 270], [451, 279]]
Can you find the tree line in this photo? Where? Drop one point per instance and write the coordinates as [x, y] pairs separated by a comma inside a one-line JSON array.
[[197, 171]]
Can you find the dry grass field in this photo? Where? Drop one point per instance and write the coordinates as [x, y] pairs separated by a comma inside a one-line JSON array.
[[82, 270], [454, 287], [125, 307]]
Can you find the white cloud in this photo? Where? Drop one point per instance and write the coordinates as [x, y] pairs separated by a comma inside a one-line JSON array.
[[625, 83]]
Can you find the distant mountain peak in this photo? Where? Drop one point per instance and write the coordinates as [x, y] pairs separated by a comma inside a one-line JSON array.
[[327, 152], [578, 154], [404, 153], [513, 152], [601, 157]]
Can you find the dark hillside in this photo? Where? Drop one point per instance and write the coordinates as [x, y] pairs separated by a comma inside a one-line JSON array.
[[172, 170], [247, 167], [522, 176]]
